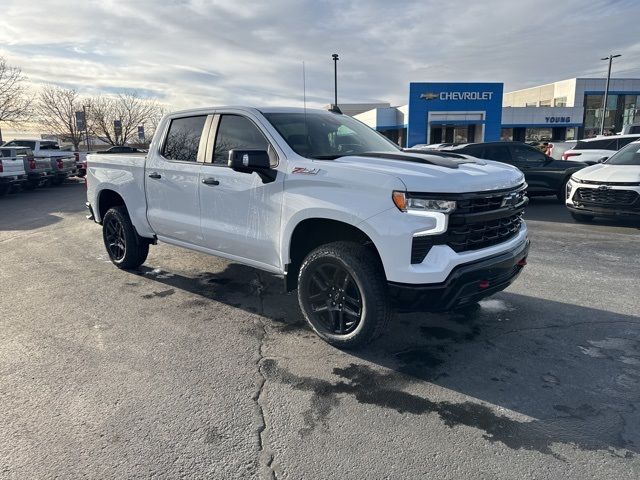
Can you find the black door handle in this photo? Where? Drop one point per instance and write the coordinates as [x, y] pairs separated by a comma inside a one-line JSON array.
[[210, 181], [155, 175]]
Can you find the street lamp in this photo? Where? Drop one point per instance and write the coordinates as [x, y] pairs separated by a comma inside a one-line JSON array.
[[606, 91], [335, 80]]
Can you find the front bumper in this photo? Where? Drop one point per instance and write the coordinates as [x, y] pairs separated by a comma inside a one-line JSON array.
[[610, 208], [466, 283], [604, 212]]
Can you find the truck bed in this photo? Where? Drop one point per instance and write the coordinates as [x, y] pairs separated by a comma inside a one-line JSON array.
[[122, 173]]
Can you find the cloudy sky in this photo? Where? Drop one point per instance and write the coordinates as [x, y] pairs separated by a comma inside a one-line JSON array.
[[190, 53]]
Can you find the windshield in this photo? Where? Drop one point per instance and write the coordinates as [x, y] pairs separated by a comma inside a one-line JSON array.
[[327, 136], [629, 155]]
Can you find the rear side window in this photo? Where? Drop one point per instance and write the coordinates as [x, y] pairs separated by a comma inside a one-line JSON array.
[[499, 153], [183, 138], [604, 144], [236, 132]]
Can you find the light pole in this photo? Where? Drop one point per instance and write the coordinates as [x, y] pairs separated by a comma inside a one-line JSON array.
[[335, 79], [606, 91]]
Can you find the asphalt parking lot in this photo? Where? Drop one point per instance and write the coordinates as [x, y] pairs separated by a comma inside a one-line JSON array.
[[195, 367]]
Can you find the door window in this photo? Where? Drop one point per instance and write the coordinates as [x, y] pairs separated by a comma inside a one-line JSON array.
[[499, 153], [236, 132], [183, 138], [524, 154]]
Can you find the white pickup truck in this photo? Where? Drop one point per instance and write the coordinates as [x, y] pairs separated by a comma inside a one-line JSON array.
[[357, 225], [63, 162]]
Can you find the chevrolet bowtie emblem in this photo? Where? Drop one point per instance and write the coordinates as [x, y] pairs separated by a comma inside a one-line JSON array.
[[430, 96]]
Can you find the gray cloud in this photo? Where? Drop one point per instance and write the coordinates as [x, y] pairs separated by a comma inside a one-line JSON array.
[[202, 52]]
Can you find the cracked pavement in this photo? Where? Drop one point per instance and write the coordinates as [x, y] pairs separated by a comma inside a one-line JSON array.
[[194, 367]]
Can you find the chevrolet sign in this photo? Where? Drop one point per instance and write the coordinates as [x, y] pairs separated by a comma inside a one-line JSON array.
[[457, 95]]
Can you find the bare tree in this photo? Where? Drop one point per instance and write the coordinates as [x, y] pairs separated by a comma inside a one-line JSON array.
[[15, 103], [130, 109], [56, 109]]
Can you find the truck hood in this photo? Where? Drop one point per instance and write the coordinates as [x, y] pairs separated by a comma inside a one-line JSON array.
[[609, 173], [469, 174]]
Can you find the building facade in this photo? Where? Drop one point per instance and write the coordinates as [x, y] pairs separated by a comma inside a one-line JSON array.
[[475, 112]]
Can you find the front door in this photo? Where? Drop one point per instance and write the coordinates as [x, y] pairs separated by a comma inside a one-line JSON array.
[[240, 214], [172, 179]]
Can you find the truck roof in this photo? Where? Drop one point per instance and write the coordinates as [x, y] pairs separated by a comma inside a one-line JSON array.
[[253, 109]]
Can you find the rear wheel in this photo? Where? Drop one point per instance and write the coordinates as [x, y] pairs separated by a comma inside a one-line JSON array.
[[342, 292], [125, 247], [581, 217]]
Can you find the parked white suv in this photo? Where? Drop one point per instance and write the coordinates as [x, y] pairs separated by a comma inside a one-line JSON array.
[[593, 150], [318, 198], [609, 189]]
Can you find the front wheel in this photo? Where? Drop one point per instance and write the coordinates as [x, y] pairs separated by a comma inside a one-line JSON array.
[[581, 217], [125, 247], [343, 295]]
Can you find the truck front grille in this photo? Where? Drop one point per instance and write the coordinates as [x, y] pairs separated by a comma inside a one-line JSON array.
[[480, 220], [605, 196], [478, 235]]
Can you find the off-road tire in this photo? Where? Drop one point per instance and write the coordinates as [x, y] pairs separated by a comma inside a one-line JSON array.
[[135, 247], [367, 274]]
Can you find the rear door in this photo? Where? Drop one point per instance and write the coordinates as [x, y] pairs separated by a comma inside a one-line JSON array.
[[172, 180], [240, 213]]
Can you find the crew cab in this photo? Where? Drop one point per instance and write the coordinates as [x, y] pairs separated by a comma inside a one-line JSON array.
[[12, 171], [342, 214], [63, 162], [610, 189], [544, 174]]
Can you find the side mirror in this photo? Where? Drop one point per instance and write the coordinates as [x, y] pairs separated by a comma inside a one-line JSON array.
[[602, 159], [249, 161]]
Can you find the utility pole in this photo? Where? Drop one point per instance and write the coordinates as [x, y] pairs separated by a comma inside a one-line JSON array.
[[606, 91]]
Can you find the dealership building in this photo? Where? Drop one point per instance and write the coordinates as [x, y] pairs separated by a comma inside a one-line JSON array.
[[475, 112]]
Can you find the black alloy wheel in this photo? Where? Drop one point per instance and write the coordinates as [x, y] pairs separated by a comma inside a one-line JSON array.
[[334, 298], [115, 238]]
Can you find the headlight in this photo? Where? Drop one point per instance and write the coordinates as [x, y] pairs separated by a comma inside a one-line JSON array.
[[407, 203], [569, 187]]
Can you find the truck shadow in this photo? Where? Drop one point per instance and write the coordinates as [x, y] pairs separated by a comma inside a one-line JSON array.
[[534, 373]]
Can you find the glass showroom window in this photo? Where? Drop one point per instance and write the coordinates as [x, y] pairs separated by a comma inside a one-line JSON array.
[[572, 133], [560, 102], [593, 114], [631, 112], [506, 135], [538, 134]]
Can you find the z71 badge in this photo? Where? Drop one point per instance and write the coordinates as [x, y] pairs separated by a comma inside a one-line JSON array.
[[305, 171]]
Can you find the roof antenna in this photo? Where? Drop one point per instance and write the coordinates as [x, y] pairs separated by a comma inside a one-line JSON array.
[[304, 99]]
